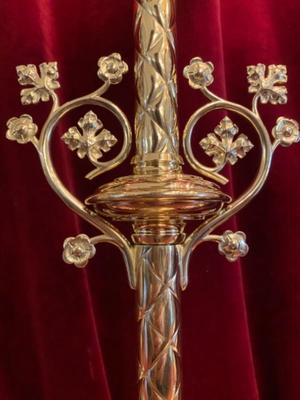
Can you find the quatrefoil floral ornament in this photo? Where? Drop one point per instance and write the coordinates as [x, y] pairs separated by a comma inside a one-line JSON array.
[[94, 139], [222, 145], [42, 83], [268, 84]]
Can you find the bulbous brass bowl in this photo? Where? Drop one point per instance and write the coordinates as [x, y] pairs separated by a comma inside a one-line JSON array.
[[175, 196]]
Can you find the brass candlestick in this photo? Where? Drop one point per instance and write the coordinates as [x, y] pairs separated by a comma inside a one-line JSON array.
[[158, 199]]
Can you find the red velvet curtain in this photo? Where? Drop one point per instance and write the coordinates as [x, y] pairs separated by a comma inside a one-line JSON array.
[[71, 334]]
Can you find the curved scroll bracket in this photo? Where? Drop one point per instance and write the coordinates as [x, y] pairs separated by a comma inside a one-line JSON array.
[[232, 245], [92, 142], [80, 249], [268, 87]]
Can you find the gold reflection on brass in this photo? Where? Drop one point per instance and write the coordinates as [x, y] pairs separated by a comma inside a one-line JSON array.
[[158, 199]]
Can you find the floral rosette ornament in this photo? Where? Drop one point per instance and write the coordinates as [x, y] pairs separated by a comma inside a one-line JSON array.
[[21, 129], [112, 68], [286, 131], [78, 250], [224, 146], [42, 83], [199, 73], [268, 84], [94, 140], [233, 245]]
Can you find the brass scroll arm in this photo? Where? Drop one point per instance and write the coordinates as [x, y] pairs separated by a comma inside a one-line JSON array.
[[92, 142], [80, 249], [221, 145]]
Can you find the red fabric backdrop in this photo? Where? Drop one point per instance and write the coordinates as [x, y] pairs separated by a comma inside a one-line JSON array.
[[71, 334]]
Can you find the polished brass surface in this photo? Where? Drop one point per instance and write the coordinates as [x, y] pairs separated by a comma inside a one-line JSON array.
[[158, 199], [158, 294], [158, 204], [156, 126]]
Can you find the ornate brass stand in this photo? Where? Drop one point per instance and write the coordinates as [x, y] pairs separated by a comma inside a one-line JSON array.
[[158, 199]]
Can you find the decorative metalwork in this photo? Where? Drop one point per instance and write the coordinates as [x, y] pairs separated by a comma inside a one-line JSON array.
[[78, 250], [158, 199], [112, 68], [42, 85], [156, 125], [158, 316], [199, 73], [286, 132], [21, 129], [268, 87], [222, 145], [233, 245], [93, 141]]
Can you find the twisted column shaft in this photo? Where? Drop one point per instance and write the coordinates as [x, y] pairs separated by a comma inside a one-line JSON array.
[[156, 126], [158, 314]]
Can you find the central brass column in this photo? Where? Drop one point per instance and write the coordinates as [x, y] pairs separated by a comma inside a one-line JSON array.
[[158, 199], [156, 131], [156, 127], [158, 314]]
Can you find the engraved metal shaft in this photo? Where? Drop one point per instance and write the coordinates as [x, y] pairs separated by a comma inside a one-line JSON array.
[[156, 131], [156, 126], [158, 199], [158, 309]]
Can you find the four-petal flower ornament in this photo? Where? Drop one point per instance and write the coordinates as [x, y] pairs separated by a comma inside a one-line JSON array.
[[268, 86], [78, 250], [223, 145], [94, 140], [42, 84]]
